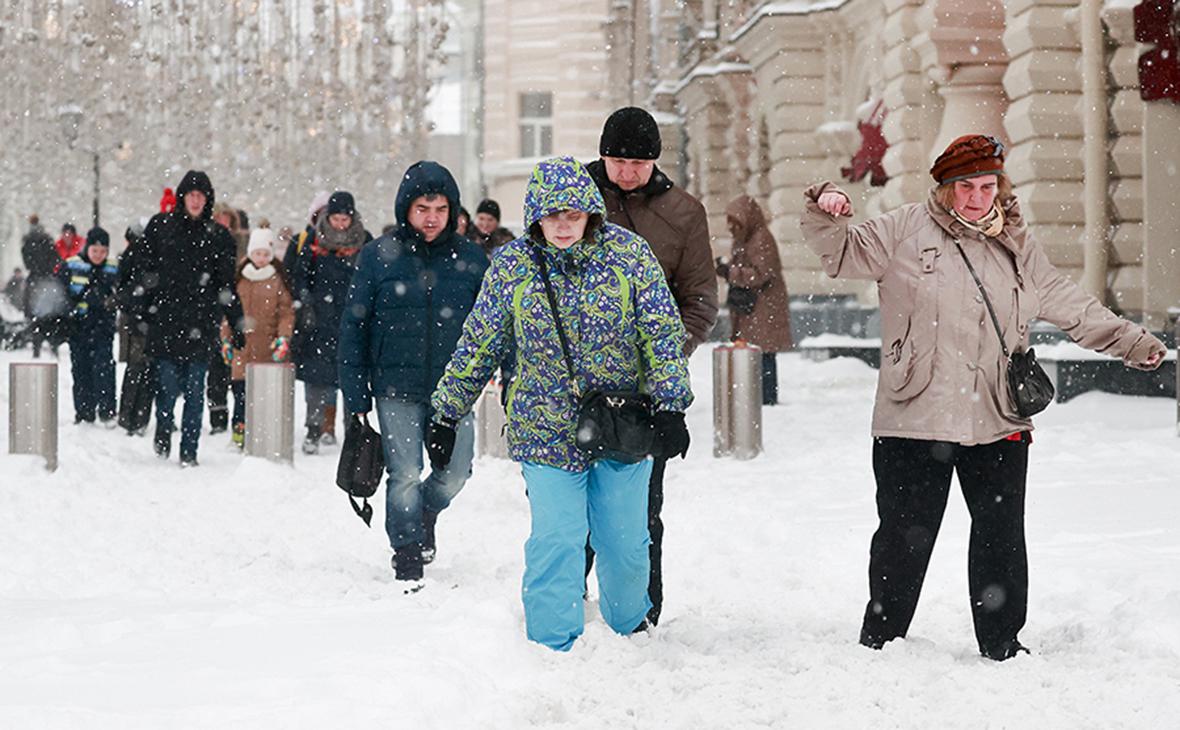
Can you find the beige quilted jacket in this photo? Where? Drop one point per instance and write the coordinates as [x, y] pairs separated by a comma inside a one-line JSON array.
[[942, 370]]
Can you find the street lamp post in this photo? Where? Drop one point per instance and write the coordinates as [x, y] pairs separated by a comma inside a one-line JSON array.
[[71, 116]]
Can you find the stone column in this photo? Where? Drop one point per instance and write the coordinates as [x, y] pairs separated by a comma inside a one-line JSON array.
[[1125, 253], [1044, 123]]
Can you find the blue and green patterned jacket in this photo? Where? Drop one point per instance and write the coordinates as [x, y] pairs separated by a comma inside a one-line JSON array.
[[622, 323], [91, 291]]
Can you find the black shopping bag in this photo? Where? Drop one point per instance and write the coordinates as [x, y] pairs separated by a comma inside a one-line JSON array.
[[362, 464]]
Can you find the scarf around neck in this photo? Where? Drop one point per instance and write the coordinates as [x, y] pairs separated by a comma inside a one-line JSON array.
[[330, 239], [253, 273], [990, 225]]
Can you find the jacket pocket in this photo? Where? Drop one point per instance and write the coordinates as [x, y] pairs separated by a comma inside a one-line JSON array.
[[907, 366]]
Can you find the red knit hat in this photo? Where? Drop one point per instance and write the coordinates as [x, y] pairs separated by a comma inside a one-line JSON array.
[[969, 156], [168, 201]]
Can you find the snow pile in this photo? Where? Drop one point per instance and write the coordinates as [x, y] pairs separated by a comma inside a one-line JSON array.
[[247, 594]]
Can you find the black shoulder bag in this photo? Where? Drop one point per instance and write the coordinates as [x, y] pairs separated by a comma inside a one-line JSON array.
[[361, 466], [1029, 386], [612, 424]]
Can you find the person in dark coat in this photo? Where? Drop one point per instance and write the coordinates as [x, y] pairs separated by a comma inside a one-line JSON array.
[[486, 229], [139, 380], [217, 381], [405, 311], [45, 299], [322, 270], [187, 275], [90, 279], [14, 288], [641, 198], [757, 292]]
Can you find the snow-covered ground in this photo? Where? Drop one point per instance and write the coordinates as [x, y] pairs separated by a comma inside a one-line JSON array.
[[247, 594]]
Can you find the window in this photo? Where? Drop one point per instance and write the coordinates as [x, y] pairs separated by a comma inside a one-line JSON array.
[[536, 124]]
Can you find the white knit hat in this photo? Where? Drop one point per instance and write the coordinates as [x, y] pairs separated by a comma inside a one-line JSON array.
[[318, 203], [261, 238]]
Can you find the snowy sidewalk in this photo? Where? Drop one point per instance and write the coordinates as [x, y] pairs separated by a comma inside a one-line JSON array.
[[246, 594]]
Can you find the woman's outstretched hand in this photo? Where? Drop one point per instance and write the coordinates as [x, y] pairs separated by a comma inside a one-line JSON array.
[[833, 203]]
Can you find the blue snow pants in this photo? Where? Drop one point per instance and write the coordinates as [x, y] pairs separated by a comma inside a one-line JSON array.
[[608, 501]]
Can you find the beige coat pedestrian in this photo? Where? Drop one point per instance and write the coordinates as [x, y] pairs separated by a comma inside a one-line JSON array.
[[942, 370], [755, 264], [268, 313]]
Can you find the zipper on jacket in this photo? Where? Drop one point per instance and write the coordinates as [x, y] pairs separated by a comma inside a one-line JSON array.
[[429, 329]]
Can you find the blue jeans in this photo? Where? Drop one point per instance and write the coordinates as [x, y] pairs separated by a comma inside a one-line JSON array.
[[176, 378], [407, 494], [609, 501]]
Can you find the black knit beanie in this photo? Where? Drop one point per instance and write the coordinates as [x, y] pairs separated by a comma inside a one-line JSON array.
[[96, 237], [341, 202], [630, 133], [490, 207]]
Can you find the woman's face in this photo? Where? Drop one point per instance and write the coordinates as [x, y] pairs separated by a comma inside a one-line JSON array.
[[260, 257], [340, 221], [975, 196], [564, 228]]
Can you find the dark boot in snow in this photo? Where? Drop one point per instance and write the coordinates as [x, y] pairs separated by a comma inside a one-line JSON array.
[[1004, 651], [407, 562], [429, 519], [162, 442], [311, 442]]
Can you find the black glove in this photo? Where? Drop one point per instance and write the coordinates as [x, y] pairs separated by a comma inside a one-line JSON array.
[[671, 437], [239, 340], [440, 442], [722, 267]]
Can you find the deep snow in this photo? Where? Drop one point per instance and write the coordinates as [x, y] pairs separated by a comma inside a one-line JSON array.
[[247, 594]]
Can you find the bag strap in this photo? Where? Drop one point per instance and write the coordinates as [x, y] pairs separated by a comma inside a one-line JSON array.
[[986, 299], [565, 348]]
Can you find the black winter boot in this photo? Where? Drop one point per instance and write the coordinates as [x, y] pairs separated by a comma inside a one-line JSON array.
[[429, 520], [407, 562]]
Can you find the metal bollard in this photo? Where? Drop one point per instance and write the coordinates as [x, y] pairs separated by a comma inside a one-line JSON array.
[[32, 410], [489, 423], [270, 411], [737, 400]]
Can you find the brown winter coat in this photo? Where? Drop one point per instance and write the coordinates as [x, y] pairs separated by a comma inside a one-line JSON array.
[[755, 264], [268, 313], [942, 371], [674, 225]]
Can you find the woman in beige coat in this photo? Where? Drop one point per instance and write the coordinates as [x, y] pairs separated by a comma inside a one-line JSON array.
[[757, 292], [268, 316], [942, 404]]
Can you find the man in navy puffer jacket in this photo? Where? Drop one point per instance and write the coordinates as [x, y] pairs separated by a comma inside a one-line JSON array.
[[410, 294]]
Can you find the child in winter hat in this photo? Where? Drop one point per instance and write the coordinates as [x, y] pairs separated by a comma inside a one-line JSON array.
[[268, 320]]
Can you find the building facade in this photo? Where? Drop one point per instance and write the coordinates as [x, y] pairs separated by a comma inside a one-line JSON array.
[[546, 90], [769, 97]]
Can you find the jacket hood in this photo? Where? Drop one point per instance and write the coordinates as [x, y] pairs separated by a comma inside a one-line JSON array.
[[196, 180], [561, 183], [427, 178], [657, 185], [748, 213]]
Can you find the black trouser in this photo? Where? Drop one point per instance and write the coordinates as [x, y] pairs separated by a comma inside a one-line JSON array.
[[217, 391], [92, 366], [139, 392], [239, 389], [769, 378], [913, 481], [655, 527]]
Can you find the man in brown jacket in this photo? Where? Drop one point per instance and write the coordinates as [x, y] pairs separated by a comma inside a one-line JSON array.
[[642, 199]]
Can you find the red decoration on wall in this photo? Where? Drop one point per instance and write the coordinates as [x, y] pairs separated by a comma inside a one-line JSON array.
[[868, 159], [1157, 22]]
